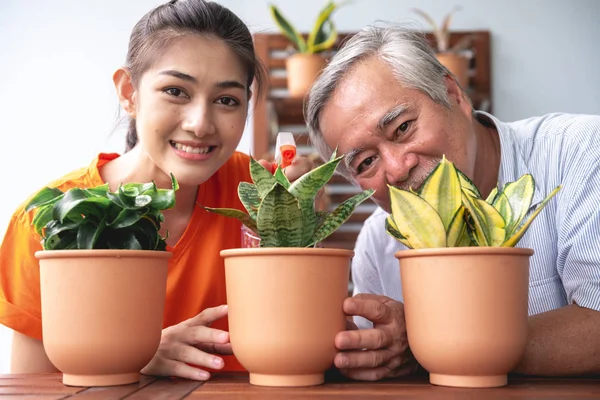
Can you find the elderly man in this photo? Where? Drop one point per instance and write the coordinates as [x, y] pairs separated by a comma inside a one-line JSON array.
[[393, 110]]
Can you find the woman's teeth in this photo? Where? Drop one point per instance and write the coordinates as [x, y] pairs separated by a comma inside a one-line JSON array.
[[193, 150]]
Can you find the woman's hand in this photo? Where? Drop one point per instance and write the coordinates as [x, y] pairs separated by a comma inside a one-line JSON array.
[[188, 347]]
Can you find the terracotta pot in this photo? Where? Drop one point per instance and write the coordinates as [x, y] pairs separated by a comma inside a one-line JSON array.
[[302, 69], [458, 65], [285, 308], [102, 312], [466, 312]]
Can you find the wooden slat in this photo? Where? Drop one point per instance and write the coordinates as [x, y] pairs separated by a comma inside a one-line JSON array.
[[167, 389], [114, 392]]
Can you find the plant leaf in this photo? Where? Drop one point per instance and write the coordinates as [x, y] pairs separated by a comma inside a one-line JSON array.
[[514, 239], [248, 195], [489, 226], [468, 185], [127, 217], [340, 215], [88, 233], [502, 204], [520, 194], [392, 230], [287, 29], [44, 196], [99, 191], [416, 220], [328, 40], [279, 219], [305, 190], [437, 31], [442, 190], [72, 198], [233, 213], [492, 196], [263, 180], [281, 178], [42, 217], [317, 34], [456, 228], [445, 28]]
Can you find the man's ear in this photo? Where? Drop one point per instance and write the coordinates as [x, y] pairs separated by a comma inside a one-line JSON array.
[[456, 95], [125, 90]]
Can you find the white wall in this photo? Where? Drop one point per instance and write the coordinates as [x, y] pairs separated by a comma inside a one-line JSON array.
[[58, 106]]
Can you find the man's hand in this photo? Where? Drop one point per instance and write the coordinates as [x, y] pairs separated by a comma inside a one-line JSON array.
[[189, 346], [381, 352]]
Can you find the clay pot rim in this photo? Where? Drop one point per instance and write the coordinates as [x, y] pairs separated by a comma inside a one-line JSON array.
[[117, 253], [464, 251], [291, 251]]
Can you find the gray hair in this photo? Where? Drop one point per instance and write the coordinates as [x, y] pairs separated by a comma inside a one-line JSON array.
[[407, 52]]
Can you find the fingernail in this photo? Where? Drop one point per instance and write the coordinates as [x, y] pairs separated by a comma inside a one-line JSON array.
[[341, 361], [224, 307], [223, 336], [342, 341], [217, 362], [203, 375]]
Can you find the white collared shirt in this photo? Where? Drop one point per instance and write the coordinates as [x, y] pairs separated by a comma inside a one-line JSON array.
[[557, 149]]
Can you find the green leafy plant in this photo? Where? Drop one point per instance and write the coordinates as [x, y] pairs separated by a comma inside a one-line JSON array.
[[321, 38], [442, 32], [283, 214], [97, 218], [448, 211]]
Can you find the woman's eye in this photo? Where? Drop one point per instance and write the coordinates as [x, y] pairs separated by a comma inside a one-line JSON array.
[[228, 101], [176, 92], [365, 164]]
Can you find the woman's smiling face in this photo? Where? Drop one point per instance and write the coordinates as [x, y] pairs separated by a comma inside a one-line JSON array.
[[190, 107]]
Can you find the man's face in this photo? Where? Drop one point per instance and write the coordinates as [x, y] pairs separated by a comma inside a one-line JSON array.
[[391, 134]]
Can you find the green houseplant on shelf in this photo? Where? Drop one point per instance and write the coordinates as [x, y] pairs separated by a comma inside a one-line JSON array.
[[103, 273], [465, 285], [306, 61], [285, 297]]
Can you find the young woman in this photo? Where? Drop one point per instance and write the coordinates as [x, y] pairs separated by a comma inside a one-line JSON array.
[[186, 86]]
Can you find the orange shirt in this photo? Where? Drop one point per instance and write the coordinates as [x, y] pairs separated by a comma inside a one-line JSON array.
[[196, 277]]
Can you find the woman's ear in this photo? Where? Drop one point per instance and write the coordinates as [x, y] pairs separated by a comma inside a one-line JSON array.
[[125, 90]]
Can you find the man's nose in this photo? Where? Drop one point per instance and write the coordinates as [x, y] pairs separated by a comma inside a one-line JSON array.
[[398, 166]]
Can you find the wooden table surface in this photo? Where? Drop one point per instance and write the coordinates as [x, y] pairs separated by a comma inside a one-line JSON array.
[[235, 386]]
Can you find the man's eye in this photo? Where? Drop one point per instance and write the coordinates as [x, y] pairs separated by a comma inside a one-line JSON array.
[[365, 164], [401, 129]]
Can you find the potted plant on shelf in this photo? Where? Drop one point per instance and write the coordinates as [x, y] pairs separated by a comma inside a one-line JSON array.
[[304, 65], [285, 297], [451, 57], [103, 274], [465, 286]]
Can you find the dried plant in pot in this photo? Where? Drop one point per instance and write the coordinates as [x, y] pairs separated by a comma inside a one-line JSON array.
[[306, 60], [465, 285], [285, 297], [103, 274], [451, 57]]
